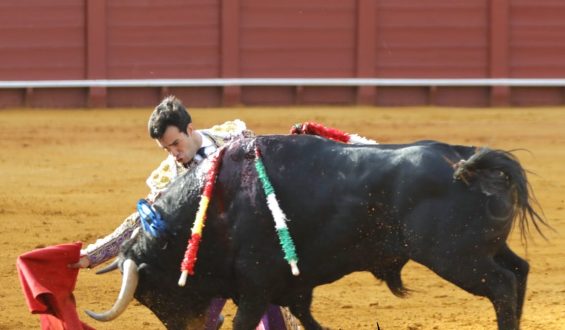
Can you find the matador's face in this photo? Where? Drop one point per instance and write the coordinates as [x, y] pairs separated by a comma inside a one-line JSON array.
[[181, 145]]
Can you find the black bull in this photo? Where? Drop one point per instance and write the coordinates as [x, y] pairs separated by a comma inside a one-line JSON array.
[[351, 208]]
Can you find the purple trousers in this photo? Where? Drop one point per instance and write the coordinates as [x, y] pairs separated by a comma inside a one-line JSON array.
[[272, 320]]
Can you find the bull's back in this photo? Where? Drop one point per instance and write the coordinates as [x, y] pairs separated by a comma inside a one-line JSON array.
[[314, 166]]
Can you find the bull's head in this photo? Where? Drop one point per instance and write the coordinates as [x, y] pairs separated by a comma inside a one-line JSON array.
[[150, 271], [130, 280], [150, 263], [154, 286]]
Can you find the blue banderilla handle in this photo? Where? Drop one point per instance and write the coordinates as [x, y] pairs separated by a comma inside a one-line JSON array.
[[150, 219]]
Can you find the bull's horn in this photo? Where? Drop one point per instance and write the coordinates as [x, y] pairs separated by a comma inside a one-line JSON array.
[[110, 267], [134, 233], [129, 284]]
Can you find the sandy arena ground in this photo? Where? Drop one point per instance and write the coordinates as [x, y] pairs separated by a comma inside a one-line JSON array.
[[72, 175]]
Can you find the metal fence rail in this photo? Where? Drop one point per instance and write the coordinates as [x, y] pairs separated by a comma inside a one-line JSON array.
[[219, 82]]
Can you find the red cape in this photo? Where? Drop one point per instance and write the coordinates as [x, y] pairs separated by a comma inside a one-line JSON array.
[[48, 285]]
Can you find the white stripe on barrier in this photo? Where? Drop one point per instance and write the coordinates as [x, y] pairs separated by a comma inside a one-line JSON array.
[[218, 82]]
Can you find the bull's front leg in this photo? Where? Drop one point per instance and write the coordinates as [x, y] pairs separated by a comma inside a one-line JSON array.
[[299, 305], [194, 323], [250, 309], [197, 322]]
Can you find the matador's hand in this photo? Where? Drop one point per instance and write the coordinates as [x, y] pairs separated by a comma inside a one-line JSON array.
[[83, 262]]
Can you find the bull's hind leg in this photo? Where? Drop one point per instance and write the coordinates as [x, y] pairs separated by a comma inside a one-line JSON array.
[[482, 276], [520, 267]]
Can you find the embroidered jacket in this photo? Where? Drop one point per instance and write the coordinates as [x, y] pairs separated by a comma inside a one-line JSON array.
[[169, 169]]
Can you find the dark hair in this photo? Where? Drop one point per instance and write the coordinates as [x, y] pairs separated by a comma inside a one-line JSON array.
[[170, 112]]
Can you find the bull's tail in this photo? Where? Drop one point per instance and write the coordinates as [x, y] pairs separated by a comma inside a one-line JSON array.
[[498, 172]]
